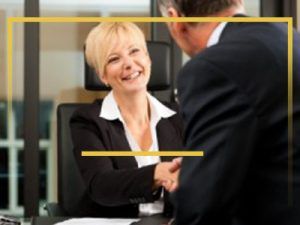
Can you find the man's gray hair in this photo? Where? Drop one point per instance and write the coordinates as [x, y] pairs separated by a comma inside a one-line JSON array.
[[196, 8]]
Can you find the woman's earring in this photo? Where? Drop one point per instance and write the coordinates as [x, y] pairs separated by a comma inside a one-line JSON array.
[[107, 84]]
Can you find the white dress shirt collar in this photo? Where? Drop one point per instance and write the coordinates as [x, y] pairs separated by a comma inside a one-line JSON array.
[[110, 109], [216, 34]]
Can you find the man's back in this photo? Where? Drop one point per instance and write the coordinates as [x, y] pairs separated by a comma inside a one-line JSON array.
[[234, 102]]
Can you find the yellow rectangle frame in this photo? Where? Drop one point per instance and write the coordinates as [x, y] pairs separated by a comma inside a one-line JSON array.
[[288, 20]]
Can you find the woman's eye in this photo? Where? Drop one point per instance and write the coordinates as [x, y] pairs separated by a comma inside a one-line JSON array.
[[134, 50], [112, 60]]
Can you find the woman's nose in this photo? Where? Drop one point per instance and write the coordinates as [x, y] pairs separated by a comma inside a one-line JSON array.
[[128, 62]]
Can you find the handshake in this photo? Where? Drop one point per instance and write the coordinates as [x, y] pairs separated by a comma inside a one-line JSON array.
[[166, 174]]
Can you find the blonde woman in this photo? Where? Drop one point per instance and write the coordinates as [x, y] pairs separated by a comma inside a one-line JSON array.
[[128, 118]]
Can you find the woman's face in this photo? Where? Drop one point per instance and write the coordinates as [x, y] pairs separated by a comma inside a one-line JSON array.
[[127, 68]]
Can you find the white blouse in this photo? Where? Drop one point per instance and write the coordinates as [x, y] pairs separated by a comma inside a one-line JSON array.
[[110, 111]]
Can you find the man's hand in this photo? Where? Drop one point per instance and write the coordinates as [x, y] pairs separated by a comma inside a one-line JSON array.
[[166, 174], [176, 164], [171, 185]]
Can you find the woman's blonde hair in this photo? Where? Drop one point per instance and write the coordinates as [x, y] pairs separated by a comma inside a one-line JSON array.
[[103, 38]]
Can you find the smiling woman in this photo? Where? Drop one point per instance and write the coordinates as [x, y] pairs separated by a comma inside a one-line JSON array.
[[128, 118], [124, 64]]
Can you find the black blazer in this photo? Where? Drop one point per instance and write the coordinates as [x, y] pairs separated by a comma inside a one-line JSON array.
[[234, 102], [115, 185]]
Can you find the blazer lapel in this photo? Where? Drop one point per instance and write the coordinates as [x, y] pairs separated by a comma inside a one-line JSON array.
[[118, 142], [118, 139], [165, 138]]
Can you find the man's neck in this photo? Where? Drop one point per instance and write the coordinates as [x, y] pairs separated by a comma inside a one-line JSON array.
[[206, 29]]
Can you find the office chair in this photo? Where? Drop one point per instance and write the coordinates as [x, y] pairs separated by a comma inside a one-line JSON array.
[[71, 187]]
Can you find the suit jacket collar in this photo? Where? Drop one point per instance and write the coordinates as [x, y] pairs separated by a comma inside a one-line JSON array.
[[231, 27], [216, 34]]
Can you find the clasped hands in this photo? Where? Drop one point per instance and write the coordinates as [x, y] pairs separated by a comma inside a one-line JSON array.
[[166, 174]]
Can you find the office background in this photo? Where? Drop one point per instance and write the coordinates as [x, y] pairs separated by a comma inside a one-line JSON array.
[[60, 74]]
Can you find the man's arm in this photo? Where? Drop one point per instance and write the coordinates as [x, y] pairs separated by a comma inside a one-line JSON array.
[[221, 122]]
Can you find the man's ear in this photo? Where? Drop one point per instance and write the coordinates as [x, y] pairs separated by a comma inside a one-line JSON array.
[[172, 12], [177, 28]]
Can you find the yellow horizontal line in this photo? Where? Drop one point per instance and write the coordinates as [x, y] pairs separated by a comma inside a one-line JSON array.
[[148, 19], [142, 153]]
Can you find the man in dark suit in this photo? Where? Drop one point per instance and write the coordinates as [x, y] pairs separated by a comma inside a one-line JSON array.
[[234, 99]]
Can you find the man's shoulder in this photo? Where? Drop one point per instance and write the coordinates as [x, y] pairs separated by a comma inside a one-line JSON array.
[[243, 45], [256, 30], [239, 40]]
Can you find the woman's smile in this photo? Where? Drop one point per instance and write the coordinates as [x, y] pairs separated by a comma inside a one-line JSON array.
[[132, 76]]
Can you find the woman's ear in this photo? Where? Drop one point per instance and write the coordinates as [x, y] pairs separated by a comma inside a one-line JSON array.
[[103, 79]]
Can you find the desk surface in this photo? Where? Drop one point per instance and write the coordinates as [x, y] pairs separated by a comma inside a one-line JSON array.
[[151, 220]]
